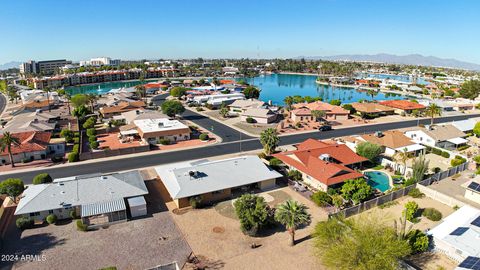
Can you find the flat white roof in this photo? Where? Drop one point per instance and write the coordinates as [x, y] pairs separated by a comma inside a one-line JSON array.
[[188, 179], [411, 148], [458, 140], [160, 124]]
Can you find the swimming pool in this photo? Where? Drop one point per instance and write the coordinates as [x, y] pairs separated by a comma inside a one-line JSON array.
[[378, 180]]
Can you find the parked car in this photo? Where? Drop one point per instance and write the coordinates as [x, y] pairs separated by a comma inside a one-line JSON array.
[[325, 128]]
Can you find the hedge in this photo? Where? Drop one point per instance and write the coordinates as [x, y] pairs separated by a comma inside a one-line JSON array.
[[76, 148], [73, 157], [250, 120], [91, 132], [204, 137], [164, 141], [432, 214]]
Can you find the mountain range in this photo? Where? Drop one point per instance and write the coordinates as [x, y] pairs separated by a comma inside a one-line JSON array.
[[12, 64], [410, 59]]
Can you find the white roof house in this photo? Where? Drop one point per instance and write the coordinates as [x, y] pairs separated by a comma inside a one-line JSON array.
[[158, 125], [186, 179], [465, 125], [458, 236], [93, 193]]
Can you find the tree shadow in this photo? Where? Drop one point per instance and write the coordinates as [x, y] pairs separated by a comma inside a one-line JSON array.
[[305, 238]]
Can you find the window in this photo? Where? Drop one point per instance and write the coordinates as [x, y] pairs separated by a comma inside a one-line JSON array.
[[50, 211], [217, 192], [34, 214]]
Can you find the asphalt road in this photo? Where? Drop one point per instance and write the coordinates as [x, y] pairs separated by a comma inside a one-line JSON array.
[[3, 103], [131, 163]]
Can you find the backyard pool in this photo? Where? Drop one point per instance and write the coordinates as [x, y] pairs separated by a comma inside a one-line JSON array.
[[378, 180]]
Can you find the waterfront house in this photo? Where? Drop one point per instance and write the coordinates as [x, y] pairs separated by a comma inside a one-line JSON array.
[[217, 100], [153, 130], [332, 112], [322, 164], [444, 136], [403, 106], [139, 114], [240, 106], [457, 237], [97, 199], [211, 181], [372, 109], [110, 111], [259, 115]]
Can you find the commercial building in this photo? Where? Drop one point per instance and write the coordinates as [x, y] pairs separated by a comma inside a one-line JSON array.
[[101, 61], [98, 199], [322, 164], [42, 67], [210, 181]]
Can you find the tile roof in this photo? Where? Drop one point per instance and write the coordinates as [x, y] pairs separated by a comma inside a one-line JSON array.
[[30, 141], [403, 104], [371, 107], [322, 106], [123, 107], [307, 158], [302, 112], [392, 139]]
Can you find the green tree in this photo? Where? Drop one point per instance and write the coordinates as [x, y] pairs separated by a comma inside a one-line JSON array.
[[92, 100], [178, 91], [79, 100], [6, 142], [337, 200], [67, 134], [419, 168], [369, 150], [12, 187], [372, 93], [295, 175], [356, 190], [335, 102], [288, 100], [172, 108], [292, 214], [318, 114], [470, 89], [269, 139], [80, 112], [90, 123], [418, 241], [363, 243], [403, 156], [476, 129], [321, 198], [410, 210], [141, 91], [251, 92], [433, 110], [42, 178], [224, 110], [252, 212]]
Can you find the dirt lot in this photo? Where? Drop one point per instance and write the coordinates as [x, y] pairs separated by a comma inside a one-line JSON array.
[[214, 234], [135, 244]]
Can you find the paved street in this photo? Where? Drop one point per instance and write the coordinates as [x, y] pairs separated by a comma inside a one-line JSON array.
[[3, 103], [130, 163]]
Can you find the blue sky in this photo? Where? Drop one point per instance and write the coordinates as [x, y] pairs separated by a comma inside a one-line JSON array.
[[77, 30]]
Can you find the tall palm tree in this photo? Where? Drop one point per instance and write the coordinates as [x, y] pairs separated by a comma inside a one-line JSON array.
[[288, 102], [292, 214], [433, 110], [140, 90], [403, 156], [6, 142], [92, 99], [372, 93]]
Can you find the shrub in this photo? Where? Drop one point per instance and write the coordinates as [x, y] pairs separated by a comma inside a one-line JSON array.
[[89, 123], [295, 175], [80, 226], [195, 202], [418, 241], [199, 109], [164, 141], [274, 162], [437, 169], [445, 154], [93, 145], [415, 193], [73, 157], [409, 182], [250, 120], [262, 155], [25, 160], [57, 158], [411, 209], [76, 148], [437, 151], [91, 132], [67, 134], [321, 198], [24, 223], [73, 214], [455, 162], [51, 219], [204, 137], [76, 140], [42, 178], [432, 214], [92, 139], [463, 147]]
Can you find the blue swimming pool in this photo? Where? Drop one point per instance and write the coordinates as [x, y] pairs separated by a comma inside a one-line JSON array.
[[378, 180]]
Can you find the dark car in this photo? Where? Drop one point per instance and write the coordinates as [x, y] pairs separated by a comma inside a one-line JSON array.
[[325, 128]]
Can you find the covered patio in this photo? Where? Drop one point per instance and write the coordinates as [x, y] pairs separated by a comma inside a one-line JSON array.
[[102, 213]]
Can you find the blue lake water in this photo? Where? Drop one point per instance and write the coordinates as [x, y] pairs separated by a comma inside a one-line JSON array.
[[101, 88], [402, 78], [276, 87]]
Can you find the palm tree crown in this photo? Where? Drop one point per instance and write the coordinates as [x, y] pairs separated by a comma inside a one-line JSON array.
[[6, 142], [292, 214], [433, 110]]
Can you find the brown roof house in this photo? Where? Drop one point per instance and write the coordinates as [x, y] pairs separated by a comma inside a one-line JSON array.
[[372, 109], [124, 106]]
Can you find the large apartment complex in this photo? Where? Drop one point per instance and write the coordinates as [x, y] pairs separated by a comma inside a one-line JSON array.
[[42, 67]]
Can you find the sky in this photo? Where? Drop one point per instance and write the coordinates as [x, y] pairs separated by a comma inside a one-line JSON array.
[[136, 29]]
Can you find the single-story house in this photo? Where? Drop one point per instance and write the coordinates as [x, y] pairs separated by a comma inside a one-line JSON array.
[[444, 136], [212, 181], [393, 142], [457, 235], [466, 125], [259, 115], [322, 164], [242, 105], [33, 145], [403, 106], [140, 114], [98, 199], [31, 121], [332, 112], [372, 109], [217, 99], [153, 130], [472, 190], [110, 111], [302, 115]]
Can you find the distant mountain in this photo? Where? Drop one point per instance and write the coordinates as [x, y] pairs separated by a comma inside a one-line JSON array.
[[8, 65], [410, 59]]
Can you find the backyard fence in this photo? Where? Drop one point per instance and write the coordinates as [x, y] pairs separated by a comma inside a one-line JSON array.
[[359, 208]]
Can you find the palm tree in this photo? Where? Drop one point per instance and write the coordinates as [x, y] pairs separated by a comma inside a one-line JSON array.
[[288, 101], [140, 91], [269, 139], [433, 110], [403, 156], [317, 114], [292, 214], [372, 93], [92, 99], [6, 142]]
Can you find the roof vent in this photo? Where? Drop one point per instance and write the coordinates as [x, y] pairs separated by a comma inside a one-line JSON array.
[[103, 177], [160, 124], [378, 134], [192, 173]]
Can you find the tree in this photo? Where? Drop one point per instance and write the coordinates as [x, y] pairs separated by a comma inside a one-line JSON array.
[[470, 89], [418, 241], [295, 175], [372, 93], [172, 108], [318, 114], [6, 142], [12, 187], [269, 139], [356, 190], [79, 100], [403, 156], [67, 134], [337, 200], [252, 212], [362, 243], [48, 90], [369, 150], [335, 102], [419, 168], [321, 198], [251, 92], [350, 108], [476, 129], [178, 91], [140, 91], [42, 178], [433, 110], [292, 214], [90, 123], [288, 100], [410, 210], [224, 110], [80, 112], [92, 100]]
